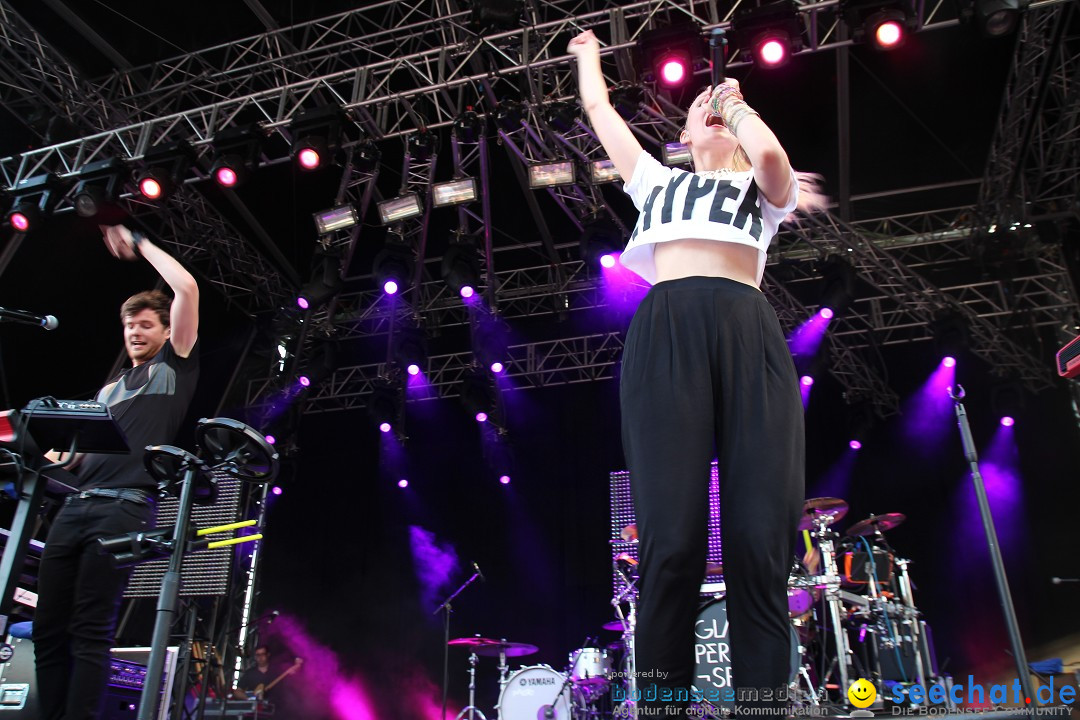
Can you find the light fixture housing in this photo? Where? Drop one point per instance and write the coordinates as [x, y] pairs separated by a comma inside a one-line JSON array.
[[400, 208], [553, 174], [337, 218], [454, 192]]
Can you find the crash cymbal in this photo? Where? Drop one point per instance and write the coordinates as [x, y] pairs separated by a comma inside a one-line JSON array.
[[487, 646], [626, 559], [629, 533], [714, 569], [876, 523], [829, 508], [613, 625]]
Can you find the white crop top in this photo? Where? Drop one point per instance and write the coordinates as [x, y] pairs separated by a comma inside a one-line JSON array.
[[675, 204]]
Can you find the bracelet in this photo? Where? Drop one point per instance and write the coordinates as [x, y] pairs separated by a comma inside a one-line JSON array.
[[734, 112], [721, 96], [136, 238]]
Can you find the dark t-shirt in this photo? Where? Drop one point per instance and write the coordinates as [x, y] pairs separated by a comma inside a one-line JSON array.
[[253, 677], [148, 402]]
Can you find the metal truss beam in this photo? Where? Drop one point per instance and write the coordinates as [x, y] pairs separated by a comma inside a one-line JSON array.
[[1034, 163]]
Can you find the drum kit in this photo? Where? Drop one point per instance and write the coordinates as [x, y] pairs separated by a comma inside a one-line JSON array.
[[852, 613]]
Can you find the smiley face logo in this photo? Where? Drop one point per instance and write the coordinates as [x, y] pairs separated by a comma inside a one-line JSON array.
[[862, 693]]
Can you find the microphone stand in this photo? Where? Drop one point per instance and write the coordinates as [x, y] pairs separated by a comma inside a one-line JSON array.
[[1000, 579], [447, 609]]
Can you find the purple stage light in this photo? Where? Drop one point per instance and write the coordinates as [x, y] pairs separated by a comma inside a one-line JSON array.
[[1008, 421], [481, 417], [855, 445], [384, 427], [276, 490], [305, 380], [303, 302], [827, 313], [497, 367], [413, 369], [673, 71], [806, 380], [948, 361], [607, 260], [467, 291], [505, 479], [390, 287], [271, 439], [403, 483]]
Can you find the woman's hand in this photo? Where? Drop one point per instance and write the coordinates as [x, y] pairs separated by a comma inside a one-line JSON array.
[[726, 89], [583, 44], [120, 242]]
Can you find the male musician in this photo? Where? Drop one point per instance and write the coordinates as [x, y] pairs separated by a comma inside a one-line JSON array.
[[256, 678], [79, 589]]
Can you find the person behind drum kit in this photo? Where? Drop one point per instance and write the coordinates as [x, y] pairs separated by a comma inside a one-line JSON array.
[[707, 373], [79, 590]]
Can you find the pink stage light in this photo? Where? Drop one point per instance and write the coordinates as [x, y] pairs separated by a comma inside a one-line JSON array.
[[271, 439], [607, 260], [949, 361], [673, 71], [384, 427], [806, 380], [413, 369], [150, 188], [1008, 421], [827, 313], [390, 287], [505, 479], [888, 34], [855, 445], [308, 158], [403, 483], [226, 176], [497, 367], [481, 417], [772, 52], [19, 221], [305, 380], [467, 291]]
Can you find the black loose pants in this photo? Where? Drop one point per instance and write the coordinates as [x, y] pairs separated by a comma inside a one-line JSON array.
[[707, 373]]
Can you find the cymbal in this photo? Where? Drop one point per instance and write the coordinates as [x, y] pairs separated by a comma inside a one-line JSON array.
[[613, 625], [714, 569], [494, 648], [876, 523], [629, 533], [627, 559], [823, 507]]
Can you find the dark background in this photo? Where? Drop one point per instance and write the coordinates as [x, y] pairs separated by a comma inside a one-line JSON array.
[[338, 561]]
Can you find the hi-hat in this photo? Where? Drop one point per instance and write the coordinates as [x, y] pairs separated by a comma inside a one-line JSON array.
[[815, 510], [613, 625], [876, 523], [494, 648]]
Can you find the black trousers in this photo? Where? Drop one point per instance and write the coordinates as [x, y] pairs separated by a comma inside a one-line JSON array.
[[79, 596], [707, 373]]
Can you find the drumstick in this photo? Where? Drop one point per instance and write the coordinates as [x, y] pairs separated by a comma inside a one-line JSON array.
[[806, 540]]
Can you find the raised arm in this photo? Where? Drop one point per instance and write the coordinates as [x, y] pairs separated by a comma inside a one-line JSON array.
[[772, 170], [184, 313], [622, 147]]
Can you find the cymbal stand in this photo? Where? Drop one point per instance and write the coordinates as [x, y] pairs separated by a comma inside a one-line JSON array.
[[504, 669], [471, 709], [628, 594], [832, 596], [911, 618]]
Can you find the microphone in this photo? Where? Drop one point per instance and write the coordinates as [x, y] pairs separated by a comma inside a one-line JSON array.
[[49, 322], [549, 712], [717, 41], [480, 574], [1058, 581]]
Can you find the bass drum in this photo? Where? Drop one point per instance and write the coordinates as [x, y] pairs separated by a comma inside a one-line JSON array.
[[712, 651], [533, 689]]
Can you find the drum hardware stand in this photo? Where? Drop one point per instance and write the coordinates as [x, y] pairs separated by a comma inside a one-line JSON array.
[[471, 709], [832, 597], [1023, 673], [446, 609], [628, 594]]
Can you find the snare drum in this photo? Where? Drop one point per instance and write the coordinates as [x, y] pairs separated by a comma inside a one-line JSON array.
[[712, 651], [533, 689], [590, 667]]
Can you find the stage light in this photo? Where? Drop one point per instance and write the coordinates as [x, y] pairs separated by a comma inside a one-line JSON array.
[[837, 285], [400, 208], [316, 135], [403, 483], [671, 55], [409, 349], [504, 479], [324, 284], [229, 171], [675, 153], [236, 151], [342, 217], [562, 116], [390, 287], [460, 268], [855, 445], [806, 380], [950, 333], [303, 302], [827, 313], [310, 153], [478, 394], [304, 380], [421, 146], [1008, 421], [509, 115], [270, 439], [276, 490], [495, 15], [481, 417], [489, 342], [386, 404], [997, 18], [552, 174], [98, 189], [165, 166], [454, 192], [627, 99], [1007, 400], [949, 361], [772, 32], [885, 23], [497, 367], [468, 127], [23, 217], [603, 171], [860, 419], [600, 240]]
